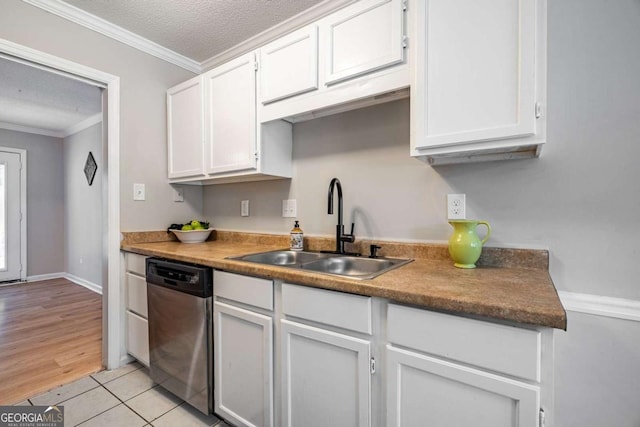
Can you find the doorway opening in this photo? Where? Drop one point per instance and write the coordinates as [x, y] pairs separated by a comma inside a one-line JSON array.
[[110, 266]]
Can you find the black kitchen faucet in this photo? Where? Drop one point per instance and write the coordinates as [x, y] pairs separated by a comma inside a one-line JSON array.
[[341, 237]]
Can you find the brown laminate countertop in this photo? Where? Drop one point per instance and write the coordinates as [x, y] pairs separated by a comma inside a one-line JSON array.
[[517, 294]]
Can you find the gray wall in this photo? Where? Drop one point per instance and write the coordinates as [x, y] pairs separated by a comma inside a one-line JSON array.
[[580, 198], [83, 206], [45, 200], [143, 82]]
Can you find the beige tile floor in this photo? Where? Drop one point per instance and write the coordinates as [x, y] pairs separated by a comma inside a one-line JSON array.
[[122, 397]]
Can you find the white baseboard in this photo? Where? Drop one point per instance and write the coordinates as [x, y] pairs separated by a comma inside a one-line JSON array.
[[49, 276], [70, 277], [82, 282], [618, 308]]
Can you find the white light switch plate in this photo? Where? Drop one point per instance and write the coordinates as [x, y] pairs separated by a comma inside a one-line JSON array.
[[244, 208], [289, 208], [138, 192]]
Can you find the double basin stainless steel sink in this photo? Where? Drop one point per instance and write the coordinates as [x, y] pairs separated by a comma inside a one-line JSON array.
[[328, 263]]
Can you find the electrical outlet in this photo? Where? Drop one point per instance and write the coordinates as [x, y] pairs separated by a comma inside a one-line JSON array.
[[178, 195], [289, 208], [456, 208], [138, 192], [244, 208]]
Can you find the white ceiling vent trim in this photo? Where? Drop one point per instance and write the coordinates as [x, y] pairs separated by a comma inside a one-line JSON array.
[[115, 32]]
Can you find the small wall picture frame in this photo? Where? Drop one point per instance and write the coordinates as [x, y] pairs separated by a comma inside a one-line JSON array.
[[90, 168]]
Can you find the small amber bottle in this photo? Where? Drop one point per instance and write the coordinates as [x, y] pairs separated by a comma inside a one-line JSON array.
[[296, 239]]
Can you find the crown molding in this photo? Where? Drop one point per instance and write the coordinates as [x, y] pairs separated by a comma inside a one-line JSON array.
[[86, 123], [30, 129], [295, 22], [617, 308], [92, 22]]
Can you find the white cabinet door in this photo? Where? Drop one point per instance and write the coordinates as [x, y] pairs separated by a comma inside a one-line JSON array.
[[474, 71], [362, 38], [138, 337], [243, 366], [289, 65], [424, 391], [185, 136], [230, 116], [325, 378]]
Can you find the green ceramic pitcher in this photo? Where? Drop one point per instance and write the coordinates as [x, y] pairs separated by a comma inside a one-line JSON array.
[[465, 246]]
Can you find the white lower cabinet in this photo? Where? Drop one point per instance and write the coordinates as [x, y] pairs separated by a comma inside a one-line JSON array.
[[138, 337], [290, 355], [243, 365], [426, 391], [326, 357], [243, 349], [136, 324], [446, 370], [326, 377]]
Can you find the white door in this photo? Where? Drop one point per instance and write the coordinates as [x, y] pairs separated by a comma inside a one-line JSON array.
[[243, 366], [325, 378], [12, 217], [424, 391], [230, 116]]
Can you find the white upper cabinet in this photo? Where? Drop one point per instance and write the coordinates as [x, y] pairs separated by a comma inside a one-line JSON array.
[[230, 111], [289, 65], [362, 38], [360, 54], [478, 80], [185, 136]]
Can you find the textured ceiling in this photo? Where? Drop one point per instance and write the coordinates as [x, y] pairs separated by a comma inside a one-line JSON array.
[[40, 99], [197, 29]]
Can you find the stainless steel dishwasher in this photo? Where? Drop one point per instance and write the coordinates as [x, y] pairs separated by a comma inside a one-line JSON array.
[[180, 330]]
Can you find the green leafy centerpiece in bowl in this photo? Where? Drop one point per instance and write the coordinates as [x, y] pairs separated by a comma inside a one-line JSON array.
[[191, 232]]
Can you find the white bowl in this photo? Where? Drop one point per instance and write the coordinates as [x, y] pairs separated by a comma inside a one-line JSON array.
[[192, 236]]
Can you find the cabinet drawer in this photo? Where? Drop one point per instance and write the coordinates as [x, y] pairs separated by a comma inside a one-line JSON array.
[[513, 351], [339, 309], [136, 294], [135, 264], [244, 289], [138, 337]]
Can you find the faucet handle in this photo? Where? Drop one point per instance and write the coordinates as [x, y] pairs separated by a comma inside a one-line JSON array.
[[350, 238]]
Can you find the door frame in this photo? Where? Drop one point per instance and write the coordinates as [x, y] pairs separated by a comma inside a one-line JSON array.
[[112, 333], [23, 208]]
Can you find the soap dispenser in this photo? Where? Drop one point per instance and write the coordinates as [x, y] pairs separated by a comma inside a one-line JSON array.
[[296, 239]]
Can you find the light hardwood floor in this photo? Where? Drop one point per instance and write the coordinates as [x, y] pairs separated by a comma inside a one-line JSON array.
[[50, 334]]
